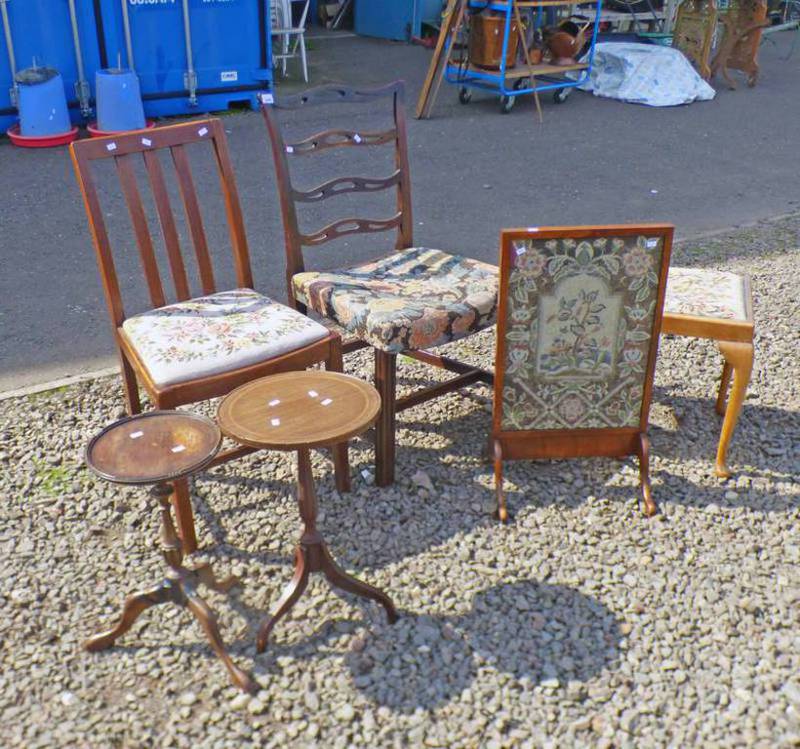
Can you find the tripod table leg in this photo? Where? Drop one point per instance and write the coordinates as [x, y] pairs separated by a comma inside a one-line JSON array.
[[205, 574], [208, 621], [339, 578], [290, 596], [134, 605]]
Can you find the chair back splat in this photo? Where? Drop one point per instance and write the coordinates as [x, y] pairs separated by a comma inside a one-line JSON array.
[[399, 179], [126, 151]]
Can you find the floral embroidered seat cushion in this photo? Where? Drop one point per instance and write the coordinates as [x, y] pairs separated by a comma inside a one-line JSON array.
[[705, 293], [411, 299], [216, 333]]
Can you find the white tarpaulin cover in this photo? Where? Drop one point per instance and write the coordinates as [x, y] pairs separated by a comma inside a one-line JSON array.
[[645, 74]]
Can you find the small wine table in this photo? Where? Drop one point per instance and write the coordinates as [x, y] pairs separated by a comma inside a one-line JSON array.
[[155, 448], [300, 411]]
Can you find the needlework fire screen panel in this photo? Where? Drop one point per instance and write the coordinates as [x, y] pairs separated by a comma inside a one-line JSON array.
[[578, 329]]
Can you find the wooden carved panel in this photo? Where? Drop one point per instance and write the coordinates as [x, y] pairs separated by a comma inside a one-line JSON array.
[[694, 32]]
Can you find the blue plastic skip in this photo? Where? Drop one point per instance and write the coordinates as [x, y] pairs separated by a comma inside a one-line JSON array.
[[230, 51], [398, 19], [41, 30]]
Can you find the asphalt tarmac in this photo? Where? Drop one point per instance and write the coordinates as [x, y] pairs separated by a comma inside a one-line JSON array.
[[707, 166]]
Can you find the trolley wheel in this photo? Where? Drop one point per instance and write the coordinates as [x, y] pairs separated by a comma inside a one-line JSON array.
[[560, 95], [507, 102], [464, 95]]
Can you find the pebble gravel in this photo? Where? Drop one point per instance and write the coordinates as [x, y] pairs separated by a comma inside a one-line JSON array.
[[581, 623]]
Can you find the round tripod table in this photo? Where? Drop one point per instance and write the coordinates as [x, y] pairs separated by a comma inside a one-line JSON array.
[[300, 411], [155, 448]]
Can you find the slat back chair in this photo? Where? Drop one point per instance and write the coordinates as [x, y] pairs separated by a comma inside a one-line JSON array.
[[405, 302], [207, 372], [577, 337]]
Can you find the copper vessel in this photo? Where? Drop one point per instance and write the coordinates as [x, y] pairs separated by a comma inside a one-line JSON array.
[[486, 41], [566, 42]]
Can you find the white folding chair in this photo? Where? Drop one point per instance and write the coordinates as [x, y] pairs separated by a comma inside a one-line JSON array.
[[283, 28]]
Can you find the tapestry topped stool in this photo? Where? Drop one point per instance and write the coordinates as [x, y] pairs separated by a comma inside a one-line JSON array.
[[718, 305]]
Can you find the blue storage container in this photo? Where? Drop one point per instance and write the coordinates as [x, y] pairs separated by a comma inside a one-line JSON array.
[[229, 57], [42, 29], [398, 19]]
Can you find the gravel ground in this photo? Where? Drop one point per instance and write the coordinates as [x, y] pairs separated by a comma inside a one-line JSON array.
[[580, 624]]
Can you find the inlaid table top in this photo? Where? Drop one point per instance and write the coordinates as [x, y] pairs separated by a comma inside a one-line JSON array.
[[153, 447], [296, 410]]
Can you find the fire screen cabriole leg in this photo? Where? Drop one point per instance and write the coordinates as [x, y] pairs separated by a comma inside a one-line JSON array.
[[501, 513], [650, 506]]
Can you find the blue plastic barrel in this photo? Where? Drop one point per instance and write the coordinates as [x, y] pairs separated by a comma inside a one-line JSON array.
[[42, 103], [119, 101]]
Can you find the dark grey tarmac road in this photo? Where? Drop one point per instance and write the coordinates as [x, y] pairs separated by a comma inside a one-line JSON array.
[[706, 166]]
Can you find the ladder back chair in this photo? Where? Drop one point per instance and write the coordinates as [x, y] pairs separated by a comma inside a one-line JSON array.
[[577, 338], [402, 303], [198, 347]]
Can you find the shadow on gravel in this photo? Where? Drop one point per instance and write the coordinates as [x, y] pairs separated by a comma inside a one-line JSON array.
[[539, 634]]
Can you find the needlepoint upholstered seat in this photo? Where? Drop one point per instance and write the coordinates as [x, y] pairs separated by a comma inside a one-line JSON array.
[[706, 293], [411, 299], [216, 333]]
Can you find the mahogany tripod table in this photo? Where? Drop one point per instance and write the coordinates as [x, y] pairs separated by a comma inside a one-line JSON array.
[[155, 448], [300, 411]]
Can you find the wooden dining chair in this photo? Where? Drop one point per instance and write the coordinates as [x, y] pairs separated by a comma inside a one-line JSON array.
[[197, 347], [406, 302], [577, 337]]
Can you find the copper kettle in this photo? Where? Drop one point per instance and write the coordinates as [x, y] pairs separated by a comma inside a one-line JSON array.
[[566, 41]]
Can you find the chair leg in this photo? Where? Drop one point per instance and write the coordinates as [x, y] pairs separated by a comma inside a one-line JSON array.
[[502, 512], [722, 395], [386, 383], [132, 403], [341, 462], [184, 517], [303, 57], [739, 357], [650, 506]]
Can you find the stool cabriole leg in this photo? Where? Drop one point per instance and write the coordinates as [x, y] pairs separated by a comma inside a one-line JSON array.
[[739, 357]]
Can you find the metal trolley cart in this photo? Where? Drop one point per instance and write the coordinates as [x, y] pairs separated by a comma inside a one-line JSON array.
[[517, 79]]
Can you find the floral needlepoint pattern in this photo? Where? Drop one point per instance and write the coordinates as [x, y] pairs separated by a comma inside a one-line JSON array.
[[580, 317], [411, 299], [705, 293], [216, 333]]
